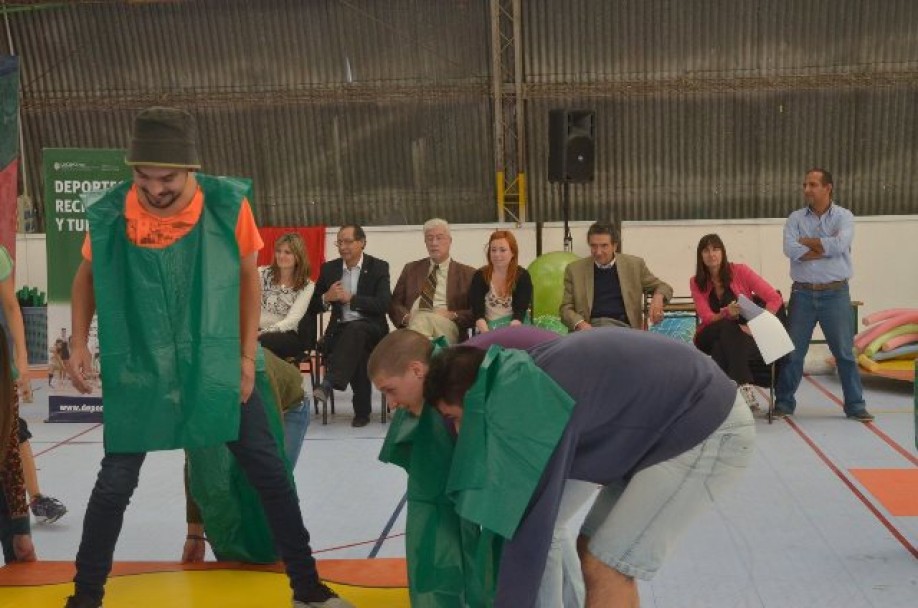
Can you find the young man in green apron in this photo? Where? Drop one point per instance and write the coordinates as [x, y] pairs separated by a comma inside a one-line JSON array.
[[169, 265]]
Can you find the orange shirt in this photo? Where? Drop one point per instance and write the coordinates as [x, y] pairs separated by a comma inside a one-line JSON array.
[[148, 230]]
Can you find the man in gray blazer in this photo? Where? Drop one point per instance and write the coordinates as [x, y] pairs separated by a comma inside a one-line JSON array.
[[608, 288]]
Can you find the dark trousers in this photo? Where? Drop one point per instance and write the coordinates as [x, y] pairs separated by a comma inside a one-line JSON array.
[[730, 347], [284, 344], [348, 348], [256, 452], [6, 531]]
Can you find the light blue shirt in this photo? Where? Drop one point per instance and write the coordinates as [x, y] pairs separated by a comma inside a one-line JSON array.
[[349, 279], [835, 230]]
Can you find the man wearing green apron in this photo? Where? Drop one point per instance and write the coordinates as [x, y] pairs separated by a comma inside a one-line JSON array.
[[169, 265]]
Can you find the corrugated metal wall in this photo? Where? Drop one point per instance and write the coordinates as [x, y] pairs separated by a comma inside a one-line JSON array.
[[340, 111], [380, 112], [715, 108]]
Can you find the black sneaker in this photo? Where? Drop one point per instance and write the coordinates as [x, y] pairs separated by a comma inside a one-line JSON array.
[[321, 596], [360, 421], [82, 601], [47, 509], [861, 416], [778, 414]]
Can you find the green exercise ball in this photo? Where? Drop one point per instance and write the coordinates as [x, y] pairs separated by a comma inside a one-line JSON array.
[[547, 272]]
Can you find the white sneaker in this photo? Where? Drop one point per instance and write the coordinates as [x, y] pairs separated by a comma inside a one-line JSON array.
[[748, 393]]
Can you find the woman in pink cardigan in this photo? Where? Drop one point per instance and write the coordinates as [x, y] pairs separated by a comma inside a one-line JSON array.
[[722, 332]]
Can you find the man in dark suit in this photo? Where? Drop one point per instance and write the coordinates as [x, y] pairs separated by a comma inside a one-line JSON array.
[[432, 294], [608, 288], [356, 289]]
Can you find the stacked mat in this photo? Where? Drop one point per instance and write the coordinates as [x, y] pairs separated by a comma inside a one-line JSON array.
[[890, 341]]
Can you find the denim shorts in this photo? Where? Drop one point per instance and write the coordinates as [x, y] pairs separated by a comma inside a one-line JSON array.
[[633, 525]]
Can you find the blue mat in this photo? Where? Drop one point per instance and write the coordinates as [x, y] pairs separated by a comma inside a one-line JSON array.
[[678, 325]]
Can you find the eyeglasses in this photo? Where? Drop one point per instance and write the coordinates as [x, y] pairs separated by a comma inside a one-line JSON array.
[[343, 242]]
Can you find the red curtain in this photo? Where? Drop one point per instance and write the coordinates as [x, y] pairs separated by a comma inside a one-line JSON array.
[[313, 237], [8, 206]]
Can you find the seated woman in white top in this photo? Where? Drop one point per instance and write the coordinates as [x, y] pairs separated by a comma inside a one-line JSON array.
[[285, 294]]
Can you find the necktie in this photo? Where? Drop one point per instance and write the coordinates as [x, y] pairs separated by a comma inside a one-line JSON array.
[[430, 288]]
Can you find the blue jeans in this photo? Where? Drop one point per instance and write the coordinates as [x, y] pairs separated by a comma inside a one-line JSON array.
[[832, 310], [257, 455], [296, 421]]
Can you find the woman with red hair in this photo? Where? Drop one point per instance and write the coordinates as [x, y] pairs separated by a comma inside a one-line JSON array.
[[501, 291]]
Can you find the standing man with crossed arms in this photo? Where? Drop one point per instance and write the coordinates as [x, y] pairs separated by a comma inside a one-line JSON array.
[[817, 240]]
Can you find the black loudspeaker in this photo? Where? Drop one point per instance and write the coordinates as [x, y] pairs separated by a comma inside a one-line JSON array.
[[571, 149]]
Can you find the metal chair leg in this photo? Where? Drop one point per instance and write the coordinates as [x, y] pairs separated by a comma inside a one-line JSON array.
[[315, 402], [314, 377], [320, 366], [771, 396]]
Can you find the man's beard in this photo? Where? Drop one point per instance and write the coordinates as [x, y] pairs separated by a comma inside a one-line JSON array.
[[160, 203]]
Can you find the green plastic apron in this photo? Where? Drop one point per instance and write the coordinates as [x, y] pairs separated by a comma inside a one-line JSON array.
[[466, 496], [234, 520], [441, 549], [169, 326], [170, 348]]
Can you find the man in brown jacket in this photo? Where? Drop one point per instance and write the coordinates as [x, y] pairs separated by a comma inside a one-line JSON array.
[[431, 295]]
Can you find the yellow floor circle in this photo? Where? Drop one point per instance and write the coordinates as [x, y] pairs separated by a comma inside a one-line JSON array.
[[199, 589]]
